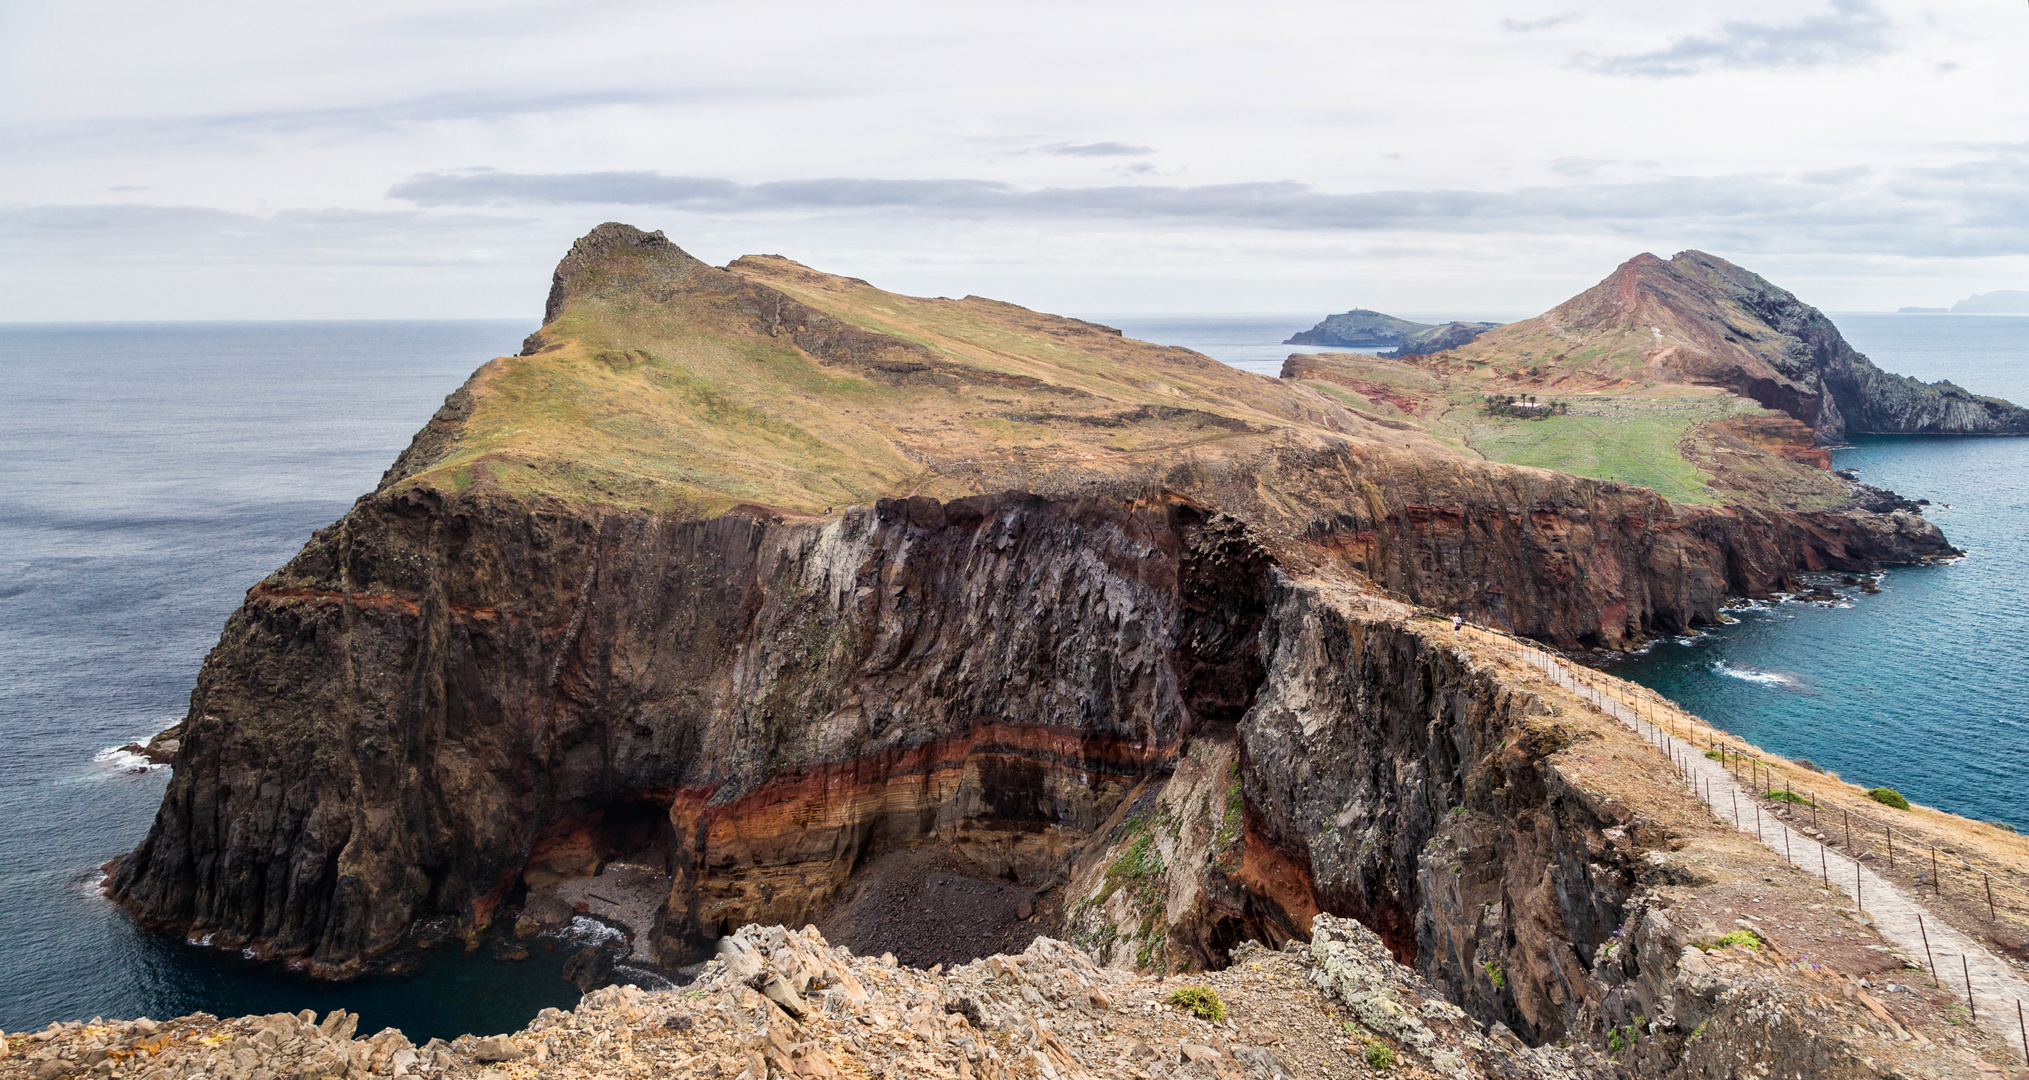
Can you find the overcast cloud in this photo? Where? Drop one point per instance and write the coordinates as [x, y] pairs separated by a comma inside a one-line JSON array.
[[435, 158]]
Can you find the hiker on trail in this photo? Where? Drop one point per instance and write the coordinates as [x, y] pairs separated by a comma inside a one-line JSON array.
[[1457, 621]]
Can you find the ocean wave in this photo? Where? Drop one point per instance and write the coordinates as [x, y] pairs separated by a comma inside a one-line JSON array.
[[1757, 675], [119, 759], [585, 930], [641, 977]]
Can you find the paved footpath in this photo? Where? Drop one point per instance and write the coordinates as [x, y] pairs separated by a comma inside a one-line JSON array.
[[1996, 987]]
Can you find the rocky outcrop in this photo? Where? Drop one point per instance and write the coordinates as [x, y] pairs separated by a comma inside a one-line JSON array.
[[383, 732], [1437, 339], [1700, 319], [1358, 329], [1170, 686]]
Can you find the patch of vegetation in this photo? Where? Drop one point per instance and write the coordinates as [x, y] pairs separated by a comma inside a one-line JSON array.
[[1200, 1001], [1523, 407], [1716, 755], [1888, 796], [1229, 822], [1628, 445], [1627, 1035], [1136, 866], [1495, 975], [1743, 937], [1380, 1057], [1788, 796]]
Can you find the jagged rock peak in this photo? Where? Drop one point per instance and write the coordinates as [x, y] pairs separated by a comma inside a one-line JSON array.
[[614, 258], [1700, 319]]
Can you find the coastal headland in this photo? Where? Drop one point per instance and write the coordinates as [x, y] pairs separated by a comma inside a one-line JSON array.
[[764, 577]]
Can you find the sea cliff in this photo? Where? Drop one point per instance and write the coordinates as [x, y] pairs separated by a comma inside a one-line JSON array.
[[760, 574]]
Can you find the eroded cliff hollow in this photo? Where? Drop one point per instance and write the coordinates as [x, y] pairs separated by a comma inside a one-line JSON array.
[[760, 575]]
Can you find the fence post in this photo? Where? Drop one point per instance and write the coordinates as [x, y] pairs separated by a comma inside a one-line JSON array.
[[1891, 845], [1926, 950], [1970, 1007], [1849, 827], [1825, 870], [1936, 882], [1990, 896]]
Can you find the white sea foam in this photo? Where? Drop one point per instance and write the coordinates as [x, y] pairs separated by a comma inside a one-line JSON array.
[[1756, 675], [585, 930], [624, 974], [115, 759]]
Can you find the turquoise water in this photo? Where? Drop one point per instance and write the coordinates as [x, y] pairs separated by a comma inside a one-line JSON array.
[[150, 473], [1925, 687]]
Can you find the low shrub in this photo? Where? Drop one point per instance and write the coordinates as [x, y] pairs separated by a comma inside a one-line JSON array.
[[1888, 796], [1202, 1002], [1380, 1056], [1788, 796], [1748, 938]]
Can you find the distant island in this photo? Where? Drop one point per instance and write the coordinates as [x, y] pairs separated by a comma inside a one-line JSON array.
[[2001, 302], [1364, 329]]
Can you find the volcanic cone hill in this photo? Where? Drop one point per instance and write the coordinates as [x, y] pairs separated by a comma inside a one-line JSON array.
[[763, 578], [1693, 377]]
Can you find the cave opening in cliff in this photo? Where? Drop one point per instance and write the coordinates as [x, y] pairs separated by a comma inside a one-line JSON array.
[[633, 828]]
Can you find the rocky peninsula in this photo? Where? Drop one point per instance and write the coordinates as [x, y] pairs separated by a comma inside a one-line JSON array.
[[761, 577]]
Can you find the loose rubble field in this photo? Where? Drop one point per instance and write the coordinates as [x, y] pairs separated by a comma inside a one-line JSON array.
[[779, 1003]]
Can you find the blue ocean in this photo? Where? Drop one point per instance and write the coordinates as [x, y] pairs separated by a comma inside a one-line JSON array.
[[150, 473]]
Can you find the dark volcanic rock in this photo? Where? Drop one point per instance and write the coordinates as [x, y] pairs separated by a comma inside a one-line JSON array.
[[589, 968], [1437, 339], [1358, 329], [461, 687], [1742, 332]]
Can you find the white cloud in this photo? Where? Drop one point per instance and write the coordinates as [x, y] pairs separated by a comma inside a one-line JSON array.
[[353, 155], [1851, 31]]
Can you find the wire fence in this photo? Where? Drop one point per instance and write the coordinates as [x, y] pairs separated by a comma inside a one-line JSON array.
[[1904, 853], [1920, 861]]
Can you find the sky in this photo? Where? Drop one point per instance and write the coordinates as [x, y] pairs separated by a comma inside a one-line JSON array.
[[221, 160]]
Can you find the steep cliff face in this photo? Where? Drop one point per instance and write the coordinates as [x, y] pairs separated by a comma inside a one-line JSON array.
[[1358, 329], [380, 735], [1370, 742], [623, 596], [1702, 320], [1436, 339]]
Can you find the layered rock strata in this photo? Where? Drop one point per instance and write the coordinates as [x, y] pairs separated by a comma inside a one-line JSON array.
[[1109, 594]]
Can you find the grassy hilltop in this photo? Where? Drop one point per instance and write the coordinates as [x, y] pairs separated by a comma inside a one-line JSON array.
[[662, 383], [658, 382]]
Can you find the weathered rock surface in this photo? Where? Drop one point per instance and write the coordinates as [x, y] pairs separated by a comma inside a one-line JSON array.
[[1437, 339], [1157, 666], [1358, 329], [780, 1004], [1700, 319]]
